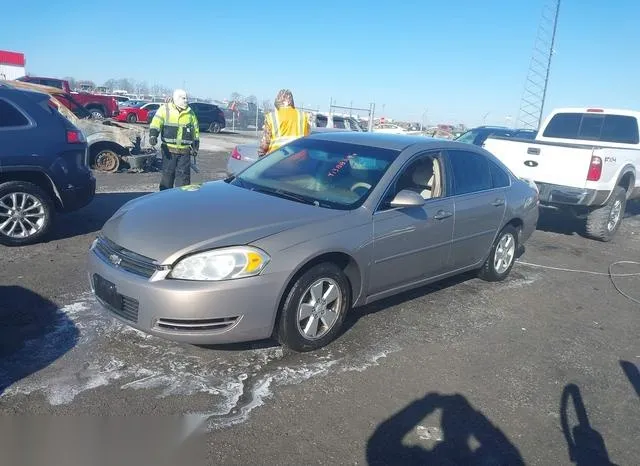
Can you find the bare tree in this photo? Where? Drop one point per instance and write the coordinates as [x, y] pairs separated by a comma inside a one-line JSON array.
[[267, 105], [252, 99], [235, 97], [72, 81]]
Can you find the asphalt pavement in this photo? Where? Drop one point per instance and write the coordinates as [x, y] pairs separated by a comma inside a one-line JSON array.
[[540, 369]]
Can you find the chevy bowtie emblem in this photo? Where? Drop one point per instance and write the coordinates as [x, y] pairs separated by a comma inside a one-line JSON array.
[[115, 259]]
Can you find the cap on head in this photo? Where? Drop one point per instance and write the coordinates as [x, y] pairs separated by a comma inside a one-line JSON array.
[[180, 98], [284, 98]]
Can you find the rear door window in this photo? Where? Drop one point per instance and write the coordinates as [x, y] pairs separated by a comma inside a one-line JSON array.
[[619, 129], [10, 116], [470, 172]]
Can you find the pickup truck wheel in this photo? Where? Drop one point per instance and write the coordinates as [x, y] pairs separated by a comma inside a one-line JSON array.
[[96, 114], [132, 118], [107, 161], [26, 213], [604, 222], [502, 256]]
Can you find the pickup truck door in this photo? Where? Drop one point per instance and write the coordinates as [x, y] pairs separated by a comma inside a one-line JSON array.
[[553, 163]]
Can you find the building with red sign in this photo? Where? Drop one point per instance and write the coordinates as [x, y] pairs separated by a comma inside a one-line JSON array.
[[12, 65]]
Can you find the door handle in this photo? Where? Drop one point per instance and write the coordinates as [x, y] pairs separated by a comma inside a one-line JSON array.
[[442, 214], [498, 202], [533, 151]]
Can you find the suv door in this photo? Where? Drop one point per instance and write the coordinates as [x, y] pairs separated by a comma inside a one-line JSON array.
[[412, 244], [479, 206]]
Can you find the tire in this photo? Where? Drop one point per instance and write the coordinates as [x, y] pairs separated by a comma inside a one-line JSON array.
[[493, 270], [41, 217], [290, 331], [214, 127], [96, 113], [132, 118], [107, 161], [603, 222]]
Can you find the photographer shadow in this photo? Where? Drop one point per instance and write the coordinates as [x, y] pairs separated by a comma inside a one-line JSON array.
[[466, 436]]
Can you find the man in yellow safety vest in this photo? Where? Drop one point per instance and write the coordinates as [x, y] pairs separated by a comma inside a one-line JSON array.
[[177, 125], [285, 124]]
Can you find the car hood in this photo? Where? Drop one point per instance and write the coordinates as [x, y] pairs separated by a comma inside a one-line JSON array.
[[166, 225]]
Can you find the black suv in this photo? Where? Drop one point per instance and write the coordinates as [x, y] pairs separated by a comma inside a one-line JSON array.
[[210, 117], [43, 166]]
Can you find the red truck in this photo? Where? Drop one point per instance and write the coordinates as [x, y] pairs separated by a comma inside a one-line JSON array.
[[100, 106]]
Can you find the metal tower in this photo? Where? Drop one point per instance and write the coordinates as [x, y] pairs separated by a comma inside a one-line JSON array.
[[535, 88]]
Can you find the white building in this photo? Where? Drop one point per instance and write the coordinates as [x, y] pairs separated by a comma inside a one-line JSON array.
[[11, 65]]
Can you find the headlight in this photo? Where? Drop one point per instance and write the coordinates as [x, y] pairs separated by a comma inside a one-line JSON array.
[[221, 264]]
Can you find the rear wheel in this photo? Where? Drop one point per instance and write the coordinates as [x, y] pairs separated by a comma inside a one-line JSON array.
[[314, 308], [132, 118], [26, 213], [214, 127], [502, 256], [96, 113], [604, 222]]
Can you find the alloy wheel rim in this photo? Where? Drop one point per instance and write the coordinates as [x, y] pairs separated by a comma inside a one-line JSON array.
[[319, 309], [22, 215], [505, 252], [614, 215]]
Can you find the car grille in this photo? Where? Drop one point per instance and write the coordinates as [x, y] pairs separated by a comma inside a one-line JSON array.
[[196, 325], [124, 259]]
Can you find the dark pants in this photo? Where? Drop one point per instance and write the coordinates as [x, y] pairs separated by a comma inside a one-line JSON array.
[[175, 168]]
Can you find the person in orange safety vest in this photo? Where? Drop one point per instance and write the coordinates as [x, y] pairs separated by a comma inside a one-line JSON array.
[[283, 125]]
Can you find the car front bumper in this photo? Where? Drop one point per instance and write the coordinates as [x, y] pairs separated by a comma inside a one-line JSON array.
[[187, 311]]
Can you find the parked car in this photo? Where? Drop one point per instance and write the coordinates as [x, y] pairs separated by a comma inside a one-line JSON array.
[[388, 128], [210, 117], [320, 120], [43, 166], [585, 162], [480, 134], [138, 113], [100, 106], [327, 222]]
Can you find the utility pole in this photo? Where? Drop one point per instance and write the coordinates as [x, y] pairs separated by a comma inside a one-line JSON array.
[[537, 82]]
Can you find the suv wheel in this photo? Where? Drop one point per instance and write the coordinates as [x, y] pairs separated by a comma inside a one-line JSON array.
[[26, 213], [314, 308], [214, 127], [502, 256], [604, 222]]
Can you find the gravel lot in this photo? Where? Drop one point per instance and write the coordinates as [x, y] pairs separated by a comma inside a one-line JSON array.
[[457, 370]]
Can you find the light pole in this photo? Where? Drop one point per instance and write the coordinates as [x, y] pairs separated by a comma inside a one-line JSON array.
[[484, 118], [423, 122]]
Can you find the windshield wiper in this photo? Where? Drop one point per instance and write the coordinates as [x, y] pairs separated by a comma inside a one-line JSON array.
[[285, 195]]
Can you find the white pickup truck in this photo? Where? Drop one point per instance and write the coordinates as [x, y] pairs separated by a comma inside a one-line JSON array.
[[585, 162]]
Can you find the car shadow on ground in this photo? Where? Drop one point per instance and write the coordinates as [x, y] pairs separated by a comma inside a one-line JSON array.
[[358, 313], [465, 436], [585, 445], [91, 218], [556, 222], [34, 332]]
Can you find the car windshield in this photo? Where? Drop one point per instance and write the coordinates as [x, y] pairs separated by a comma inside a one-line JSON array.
[[327, 174], [131, 104]]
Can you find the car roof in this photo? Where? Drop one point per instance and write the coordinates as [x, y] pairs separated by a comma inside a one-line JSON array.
[[397, 142]]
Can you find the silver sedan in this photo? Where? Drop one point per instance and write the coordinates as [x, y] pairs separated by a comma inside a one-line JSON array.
[[289, 245]]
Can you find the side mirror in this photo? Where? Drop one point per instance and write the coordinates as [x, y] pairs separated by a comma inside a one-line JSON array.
[[406, 198]]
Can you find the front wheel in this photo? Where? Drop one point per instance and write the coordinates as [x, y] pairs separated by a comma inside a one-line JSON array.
[[96, 114], [214, 127], [26, 213], [314, 308], [604, 222], [502, 256], [132, 118]]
